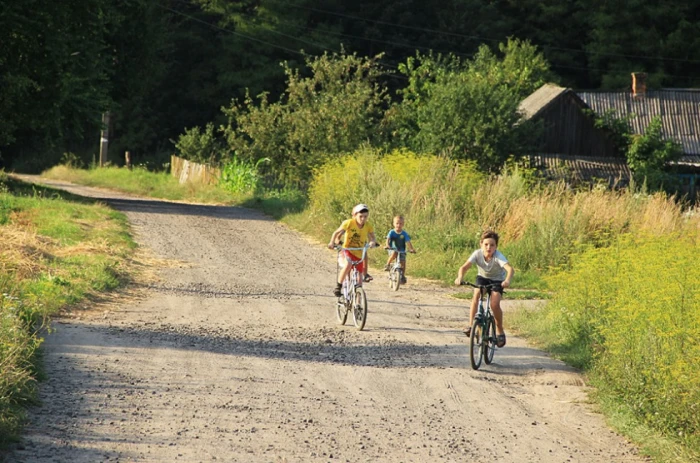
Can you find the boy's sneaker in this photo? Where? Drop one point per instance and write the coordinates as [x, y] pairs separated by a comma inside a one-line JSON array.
[[337, 291], [403, 280]]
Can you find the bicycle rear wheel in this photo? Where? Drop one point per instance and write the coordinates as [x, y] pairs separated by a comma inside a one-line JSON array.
[[476, 340], [359, 308], [490, 341]]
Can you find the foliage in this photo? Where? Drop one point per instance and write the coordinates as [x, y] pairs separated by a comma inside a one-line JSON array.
[[200, 146], [618, 129], [635, 329], [649, 154], [468, 110], [240, 176], [320, 117]]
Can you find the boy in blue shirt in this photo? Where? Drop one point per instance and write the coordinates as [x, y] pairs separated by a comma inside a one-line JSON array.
[[398, 239]]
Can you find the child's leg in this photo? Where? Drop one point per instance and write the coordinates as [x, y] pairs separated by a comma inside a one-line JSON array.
[[392, 257], [497, 312], [474, 306], [344, 271]]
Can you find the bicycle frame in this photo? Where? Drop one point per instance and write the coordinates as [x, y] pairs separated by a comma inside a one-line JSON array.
[[353, 298], [482, 339], [396, 270]]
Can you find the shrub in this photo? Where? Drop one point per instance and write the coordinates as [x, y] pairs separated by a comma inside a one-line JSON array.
[[241, 176], [635, 308]]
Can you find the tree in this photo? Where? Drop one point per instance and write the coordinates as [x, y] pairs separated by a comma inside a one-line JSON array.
[[468, 109], [649, 156], [329, 113]]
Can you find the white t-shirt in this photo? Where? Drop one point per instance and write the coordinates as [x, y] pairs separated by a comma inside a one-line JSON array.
[[494, 269]]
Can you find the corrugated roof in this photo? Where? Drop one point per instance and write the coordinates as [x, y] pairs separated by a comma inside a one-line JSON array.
[[539, 100], [572, 168], [679, 111]]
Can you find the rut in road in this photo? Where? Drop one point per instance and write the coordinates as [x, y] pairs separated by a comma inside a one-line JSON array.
[[234, 355]]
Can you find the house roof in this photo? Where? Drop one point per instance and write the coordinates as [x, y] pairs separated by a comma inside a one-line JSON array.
[[613, 170], [678, 109], [540, 99]]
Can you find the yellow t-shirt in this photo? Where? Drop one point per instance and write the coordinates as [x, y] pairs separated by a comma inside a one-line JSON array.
[[355, 237]]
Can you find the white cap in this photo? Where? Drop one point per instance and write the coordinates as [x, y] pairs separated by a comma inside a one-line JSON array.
[[359, 208]]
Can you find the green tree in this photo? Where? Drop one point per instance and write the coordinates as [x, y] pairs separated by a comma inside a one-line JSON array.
[[329, 113], [468, 109], [649, 156]]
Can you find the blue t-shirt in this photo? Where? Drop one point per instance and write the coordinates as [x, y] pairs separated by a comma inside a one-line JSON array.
[[398, 240]]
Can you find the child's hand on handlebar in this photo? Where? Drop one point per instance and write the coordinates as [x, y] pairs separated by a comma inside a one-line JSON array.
[[458, 281]]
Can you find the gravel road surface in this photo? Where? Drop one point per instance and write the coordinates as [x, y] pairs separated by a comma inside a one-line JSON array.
[[234, 354]]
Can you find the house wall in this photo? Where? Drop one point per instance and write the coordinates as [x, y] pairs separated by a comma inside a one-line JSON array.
[[570, 132]]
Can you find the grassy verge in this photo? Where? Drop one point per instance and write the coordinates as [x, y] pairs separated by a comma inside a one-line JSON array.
[[634, 332], [144, 183], [57, 249]]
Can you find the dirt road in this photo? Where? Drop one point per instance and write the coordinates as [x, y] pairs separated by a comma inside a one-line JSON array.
[[235, 356]]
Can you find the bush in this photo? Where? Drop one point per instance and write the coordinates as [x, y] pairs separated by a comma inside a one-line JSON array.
[[201, 146], [241, 176], [321, 117], [629, 313]]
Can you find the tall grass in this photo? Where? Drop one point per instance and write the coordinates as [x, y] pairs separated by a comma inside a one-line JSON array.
[[629, 314], [447, 204], [55, 252]]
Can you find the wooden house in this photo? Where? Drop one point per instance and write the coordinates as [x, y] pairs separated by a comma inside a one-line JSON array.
[[571, 143]]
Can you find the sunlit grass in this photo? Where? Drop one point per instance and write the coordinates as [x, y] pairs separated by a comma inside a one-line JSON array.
[[144, 183], [57, 250]]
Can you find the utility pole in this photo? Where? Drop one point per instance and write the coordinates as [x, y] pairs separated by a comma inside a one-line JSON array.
[[104, 138]]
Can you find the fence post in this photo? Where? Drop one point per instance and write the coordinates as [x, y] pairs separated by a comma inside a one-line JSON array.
[[127, 159], [104, 138]]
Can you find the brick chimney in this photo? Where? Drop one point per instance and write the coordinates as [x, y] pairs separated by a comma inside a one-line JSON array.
[[639, 84]]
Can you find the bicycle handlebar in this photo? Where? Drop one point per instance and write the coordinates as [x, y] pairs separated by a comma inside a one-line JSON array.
[[491, 286], [396, 250]]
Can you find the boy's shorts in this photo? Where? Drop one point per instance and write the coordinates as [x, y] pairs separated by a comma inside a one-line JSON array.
[[347, 256], [402, 255], [481, 281]]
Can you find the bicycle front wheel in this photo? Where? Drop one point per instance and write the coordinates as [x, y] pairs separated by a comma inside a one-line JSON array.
[[490, 341], [359, 308], [395, 279], [476, 341], [341, 310]]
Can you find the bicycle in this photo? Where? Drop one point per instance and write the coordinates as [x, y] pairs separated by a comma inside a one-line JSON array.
[[482, 339], [353, 298], [396, 275]]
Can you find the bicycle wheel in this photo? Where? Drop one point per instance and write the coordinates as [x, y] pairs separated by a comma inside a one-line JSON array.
[[490, 341], [359, 308], [476, 340], [341, 311], [341, 306], [395, 278]]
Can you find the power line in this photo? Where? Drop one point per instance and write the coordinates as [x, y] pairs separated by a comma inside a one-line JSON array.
[[274, 45], [415, 47], [230, 31], [477, 37]]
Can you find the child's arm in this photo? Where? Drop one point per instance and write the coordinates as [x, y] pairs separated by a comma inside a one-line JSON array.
[[410, 246], [387, 245], [510, 271], [372, 240], [462, 270], [334, 237]]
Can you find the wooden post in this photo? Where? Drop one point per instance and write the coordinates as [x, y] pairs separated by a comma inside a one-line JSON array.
[[127, 158], [104, 138]]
